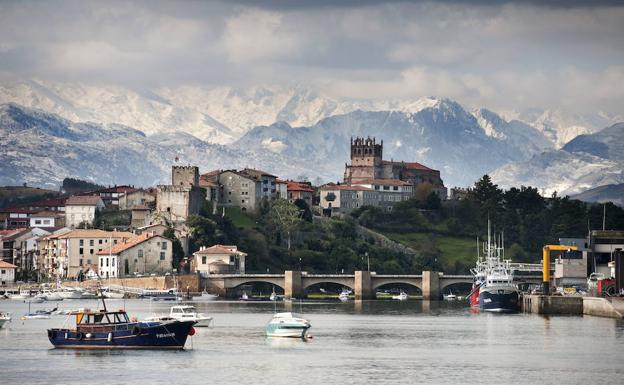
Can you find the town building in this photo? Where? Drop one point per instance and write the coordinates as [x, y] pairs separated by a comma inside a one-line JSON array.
[[25, 252], [246, 188], [300, 190], [281, 187], [219, 259], [80, 210], [47, 219], [144, 254], [48, 253], [67, 255], [141, 216], [111, 195], [141, 197], [367, 164], [7, 273], [342, 199], [16, 217]]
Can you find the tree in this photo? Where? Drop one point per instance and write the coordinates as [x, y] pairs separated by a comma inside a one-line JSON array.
[[285, 216], [178, 251]]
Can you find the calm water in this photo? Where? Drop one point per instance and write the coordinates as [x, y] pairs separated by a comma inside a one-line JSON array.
[[374, 342]]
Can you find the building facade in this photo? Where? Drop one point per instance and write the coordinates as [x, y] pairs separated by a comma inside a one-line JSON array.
[[7, 273], [219, 259], [367, 164], [81, 209], [181, 199], [144, 254], [77, 250]]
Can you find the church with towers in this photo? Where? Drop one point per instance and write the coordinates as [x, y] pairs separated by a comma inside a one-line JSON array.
[[367, 165]]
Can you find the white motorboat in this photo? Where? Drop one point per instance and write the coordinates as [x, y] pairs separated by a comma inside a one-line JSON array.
[[4, 318], [205, 296], [23, 295], [401, 296], [112, 294], [273, 297], [244, 297], [450, 297], [344, 295], [70, 293], [183, 313], [50, 295], [287, 325]]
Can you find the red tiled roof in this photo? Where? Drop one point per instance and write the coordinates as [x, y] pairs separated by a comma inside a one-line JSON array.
[[83, 200], [18, 210], [46, 213], [253, 172], [297, 186], [6, 265], [125, 245], [96, 233], [54, 202], [409, 165], [220, 249]]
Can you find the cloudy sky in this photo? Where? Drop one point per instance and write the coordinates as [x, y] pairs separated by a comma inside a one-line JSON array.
[[505, 55]]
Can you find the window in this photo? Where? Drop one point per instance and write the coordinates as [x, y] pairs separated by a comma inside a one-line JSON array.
[[82, 242], [113, 262], [81, 251], [100, 241], [395, 188], [46, 221], [386, 188], [242, 201], [37, 221], [162, 255], [89, 261], [2, 271], [163, 246], [203, 261], [90, 251], [140, 253], [91, 242], [80, 263], [106, 262]]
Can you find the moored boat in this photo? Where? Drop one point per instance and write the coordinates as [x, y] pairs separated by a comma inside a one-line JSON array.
[[205, 296], [287, 325], [184, 313], [497, 292], [102, 329], [402, 296], [4, 318]]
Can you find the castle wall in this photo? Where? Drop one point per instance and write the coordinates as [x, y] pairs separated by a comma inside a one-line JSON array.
[[177, 203]]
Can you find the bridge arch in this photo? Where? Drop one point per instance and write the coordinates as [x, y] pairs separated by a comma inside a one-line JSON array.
[[445, 285], [240, 282], [345, 282], [378, 283]]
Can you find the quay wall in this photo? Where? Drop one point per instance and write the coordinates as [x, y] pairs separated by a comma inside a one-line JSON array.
[[188, 282], [552, 305], [602, 307]]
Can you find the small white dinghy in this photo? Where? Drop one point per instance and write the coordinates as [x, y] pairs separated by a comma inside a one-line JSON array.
[[401, 296], [184, 313]]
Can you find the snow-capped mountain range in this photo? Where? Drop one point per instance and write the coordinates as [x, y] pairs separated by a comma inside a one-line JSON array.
[[113, 134]]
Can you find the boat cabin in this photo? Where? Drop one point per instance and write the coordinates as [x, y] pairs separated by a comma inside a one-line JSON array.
[[97, 321]]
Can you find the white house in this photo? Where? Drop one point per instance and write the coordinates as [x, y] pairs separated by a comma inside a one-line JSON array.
[[79, 209], [7, 273], [46, 219], [219, 259]]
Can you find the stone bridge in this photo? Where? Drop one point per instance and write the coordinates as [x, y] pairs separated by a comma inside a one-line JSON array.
[[363, 283]]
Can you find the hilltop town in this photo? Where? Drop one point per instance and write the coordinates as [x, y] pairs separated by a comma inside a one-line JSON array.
[[130, 231]]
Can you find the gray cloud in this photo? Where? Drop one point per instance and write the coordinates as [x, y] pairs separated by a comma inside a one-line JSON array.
[[504, 55]]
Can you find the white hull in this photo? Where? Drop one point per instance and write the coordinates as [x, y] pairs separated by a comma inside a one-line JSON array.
[[205, 297], [69, 295], [17, 297], [36, 316], [113, 295], [288, 333]]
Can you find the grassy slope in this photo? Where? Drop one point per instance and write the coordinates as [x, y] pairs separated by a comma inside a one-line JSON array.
[[239, 218], [452, 249]]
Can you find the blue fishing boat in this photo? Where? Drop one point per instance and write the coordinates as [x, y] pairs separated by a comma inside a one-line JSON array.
[[103, 329]]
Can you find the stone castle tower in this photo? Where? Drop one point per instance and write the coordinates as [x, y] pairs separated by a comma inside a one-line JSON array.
[[187, 176], [366, 160]]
